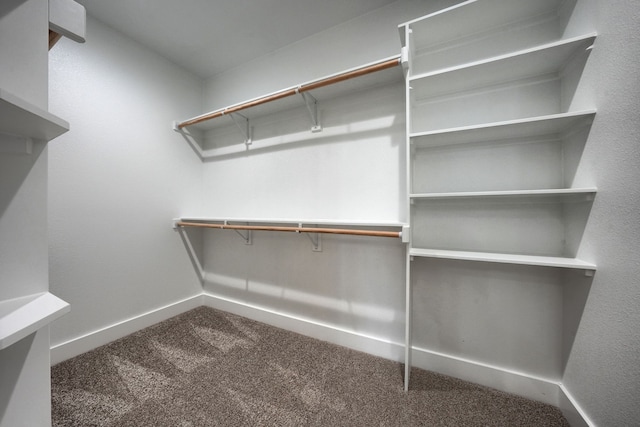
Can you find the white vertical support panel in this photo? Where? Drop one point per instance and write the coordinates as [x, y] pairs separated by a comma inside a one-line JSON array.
[[24, 366], [406, 58]]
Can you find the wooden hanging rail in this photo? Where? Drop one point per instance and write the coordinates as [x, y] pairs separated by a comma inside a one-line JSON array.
[[378, 66], [353, 232]]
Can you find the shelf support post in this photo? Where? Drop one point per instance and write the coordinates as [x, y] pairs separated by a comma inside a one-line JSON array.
[[312, 108]]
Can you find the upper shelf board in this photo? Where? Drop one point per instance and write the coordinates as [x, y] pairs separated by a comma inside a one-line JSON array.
[[554, 124], [294, 222], [566, 194], [472, 17], [21, 118], [342, 88], [21, 317], [540, 60], [542, 261]]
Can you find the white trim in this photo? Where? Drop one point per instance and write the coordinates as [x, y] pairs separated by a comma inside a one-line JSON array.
[[92, 340], [360, 342], [572, 411], [529, 386]]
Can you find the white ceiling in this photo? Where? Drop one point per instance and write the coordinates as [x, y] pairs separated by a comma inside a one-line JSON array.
[[210, 36]]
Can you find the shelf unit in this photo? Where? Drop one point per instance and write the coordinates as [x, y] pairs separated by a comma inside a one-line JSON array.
[[494, 135], [20, 124]]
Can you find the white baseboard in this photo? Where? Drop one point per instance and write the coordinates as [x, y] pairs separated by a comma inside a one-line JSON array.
[[121, 329], [522, 384], [367, 344], [572, 411]]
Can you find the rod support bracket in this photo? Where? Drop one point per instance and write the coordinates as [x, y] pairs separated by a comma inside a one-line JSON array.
[[248, 238], [312, 108], [316, 240], [242, 123], [405, 234]]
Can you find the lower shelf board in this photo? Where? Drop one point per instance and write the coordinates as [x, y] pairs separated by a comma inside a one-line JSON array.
[[544, 261], [23, 316]]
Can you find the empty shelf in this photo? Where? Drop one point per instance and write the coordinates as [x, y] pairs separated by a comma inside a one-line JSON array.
[[21, 118], [504, 131], [23, 316], [544, 261], [562, 193]]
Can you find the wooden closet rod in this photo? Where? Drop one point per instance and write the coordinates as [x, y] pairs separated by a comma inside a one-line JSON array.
[[352, 232], [293, 91]]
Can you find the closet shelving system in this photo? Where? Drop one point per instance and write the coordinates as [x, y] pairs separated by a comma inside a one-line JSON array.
[[304, 96], [494, 137], [20, 124], [356, 79]]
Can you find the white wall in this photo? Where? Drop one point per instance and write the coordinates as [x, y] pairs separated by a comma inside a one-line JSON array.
[[117, 179], [603, 370]]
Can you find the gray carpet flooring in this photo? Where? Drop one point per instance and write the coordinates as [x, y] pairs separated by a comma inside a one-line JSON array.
[[211, 368]]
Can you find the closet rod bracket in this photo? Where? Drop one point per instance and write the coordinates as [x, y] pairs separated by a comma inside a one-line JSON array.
[[312, 108], [405, 235], [316, 239], [248, 238], [243, 125]]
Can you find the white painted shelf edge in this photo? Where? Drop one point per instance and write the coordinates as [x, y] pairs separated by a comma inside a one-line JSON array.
[[23, 316], [543, 261], [553, 123], [545, 49], [305, 222], [561, 192], [23, 119]]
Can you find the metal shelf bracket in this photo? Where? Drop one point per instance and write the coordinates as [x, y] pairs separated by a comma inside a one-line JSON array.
[[312, 108], [316, 240], [248, 237], [243, 125]]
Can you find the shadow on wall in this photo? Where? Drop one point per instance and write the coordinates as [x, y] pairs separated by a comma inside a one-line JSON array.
[[6, 6], [11, 365], [516, 317], [355, 282], [14, 171]]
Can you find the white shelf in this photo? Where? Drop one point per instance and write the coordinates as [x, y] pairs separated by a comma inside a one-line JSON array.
[[504, 258], [436, 43], [296, 222], [541, 60], [23, 119], [21, 317], [506, 130], [471, 19], [561, 193]]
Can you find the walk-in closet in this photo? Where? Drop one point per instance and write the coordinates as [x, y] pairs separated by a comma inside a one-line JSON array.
[[286, 212]]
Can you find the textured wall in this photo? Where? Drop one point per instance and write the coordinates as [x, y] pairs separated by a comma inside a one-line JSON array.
[[116, 181], [603, 371]]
